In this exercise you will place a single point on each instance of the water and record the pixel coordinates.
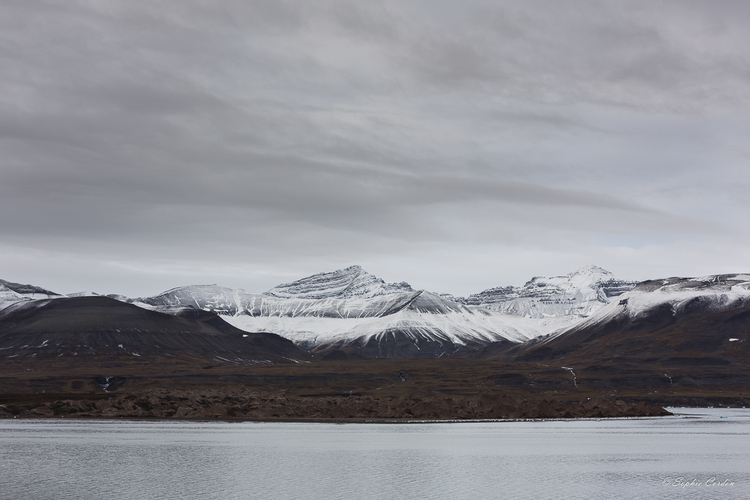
(586, 459)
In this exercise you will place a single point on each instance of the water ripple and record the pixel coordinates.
(623, 459)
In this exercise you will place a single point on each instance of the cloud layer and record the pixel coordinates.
(145, 145)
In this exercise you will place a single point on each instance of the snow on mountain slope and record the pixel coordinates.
(11, 293)
(712, 293)
(347, 293)
(352, 282)
(577, 294)
(715, 293)
(459, 328)
(351, 305)
(419, 314)
(217, 299)
(234, 302)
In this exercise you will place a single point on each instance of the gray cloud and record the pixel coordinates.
(180, 140)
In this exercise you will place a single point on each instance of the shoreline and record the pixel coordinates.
(324, 421)
(215, 405)
(673, 415)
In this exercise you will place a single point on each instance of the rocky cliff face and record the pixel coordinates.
(576, 294)
(350, 283)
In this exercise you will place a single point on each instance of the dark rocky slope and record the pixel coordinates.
(693, 333)
(100, 327)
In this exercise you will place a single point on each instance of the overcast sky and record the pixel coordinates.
(454, 145)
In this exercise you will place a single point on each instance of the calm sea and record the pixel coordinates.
(698, 454)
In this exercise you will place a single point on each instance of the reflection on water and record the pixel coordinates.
(628, 459)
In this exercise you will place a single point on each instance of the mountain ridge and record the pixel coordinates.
(579, 293)
(353, 311)
(676, 341)
(351, 282)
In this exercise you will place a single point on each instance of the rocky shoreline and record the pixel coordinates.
(247, 405)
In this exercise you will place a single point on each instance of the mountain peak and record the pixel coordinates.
(576, 294)
(587, 276)
(591, 270)
(351, 282)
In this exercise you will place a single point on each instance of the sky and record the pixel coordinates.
(457, 146)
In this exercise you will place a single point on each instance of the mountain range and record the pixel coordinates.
(351, 313)
(342, 333)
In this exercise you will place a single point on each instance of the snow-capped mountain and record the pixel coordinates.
(353, 309)
(358, 313)
(673, 320)
(715, 293)
(576, 294)
(350, 283)
(414, 324)
(12, 293)
(349, 292)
